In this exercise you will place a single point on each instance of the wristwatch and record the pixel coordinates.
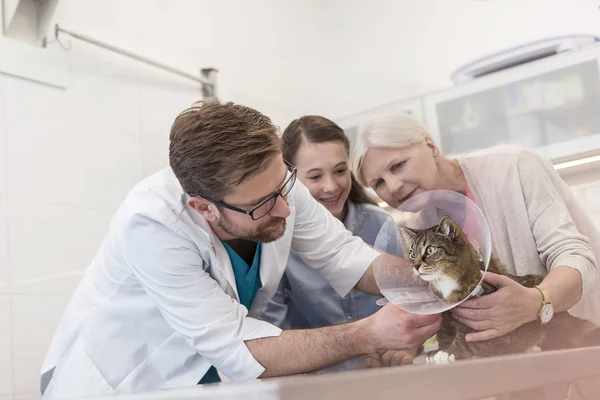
(546, 311)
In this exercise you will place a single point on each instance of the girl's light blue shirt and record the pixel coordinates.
(305, 299)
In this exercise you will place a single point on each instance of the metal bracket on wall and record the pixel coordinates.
(209, 91)
(207, 78)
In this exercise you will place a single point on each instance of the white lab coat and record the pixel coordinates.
(159, 305)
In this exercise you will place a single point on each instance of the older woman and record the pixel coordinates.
(537, 226)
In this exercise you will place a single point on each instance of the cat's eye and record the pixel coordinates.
(411, 251)
(430, 250)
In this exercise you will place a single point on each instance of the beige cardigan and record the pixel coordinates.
(535, 222)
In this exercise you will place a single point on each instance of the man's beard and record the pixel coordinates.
(265, 233)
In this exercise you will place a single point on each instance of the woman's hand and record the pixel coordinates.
(501, 312)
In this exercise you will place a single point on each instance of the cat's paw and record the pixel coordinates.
(439, 357)
(533, 349)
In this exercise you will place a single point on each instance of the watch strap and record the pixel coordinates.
(545, 295)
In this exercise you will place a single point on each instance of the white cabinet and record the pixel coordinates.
(350, 123)
(551, 105)
(24, 51)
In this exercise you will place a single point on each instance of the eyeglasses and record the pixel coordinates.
(267, 205)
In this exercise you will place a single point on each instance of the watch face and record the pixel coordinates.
(546, 314)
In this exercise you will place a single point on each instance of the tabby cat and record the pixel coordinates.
(442, 256)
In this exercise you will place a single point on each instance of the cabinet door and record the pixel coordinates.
(551, 105)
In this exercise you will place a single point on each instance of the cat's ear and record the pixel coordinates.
(448, 228)
(408, 233)
(408, 237)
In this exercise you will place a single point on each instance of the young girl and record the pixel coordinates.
(319, 149)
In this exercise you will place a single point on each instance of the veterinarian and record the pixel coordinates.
(195, 253)
(536, 225)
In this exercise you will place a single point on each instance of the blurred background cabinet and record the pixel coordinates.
(550, 105)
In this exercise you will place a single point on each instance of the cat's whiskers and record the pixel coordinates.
(414, 278)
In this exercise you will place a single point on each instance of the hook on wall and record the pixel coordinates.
(208, 78)
(56, 34)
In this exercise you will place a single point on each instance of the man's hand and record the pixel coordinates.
(395, 329)
(308, 350)
(400, 333)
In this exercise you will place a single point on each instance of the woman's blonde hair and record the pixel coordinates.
(388, 130)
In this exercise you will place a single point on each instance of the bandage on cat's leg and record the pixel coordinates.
(534, 349)
(439, 357)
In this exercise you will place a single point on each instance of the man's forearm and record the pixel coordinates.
(302, 351)
(367, 283)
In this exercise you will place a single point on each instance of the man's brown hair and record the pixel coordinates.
(215, 146)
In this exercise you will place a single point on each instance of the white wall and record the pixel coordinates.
(68, 157)
(392, 50)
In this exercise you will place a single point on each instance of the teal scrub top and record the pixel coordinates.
(247, 281)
